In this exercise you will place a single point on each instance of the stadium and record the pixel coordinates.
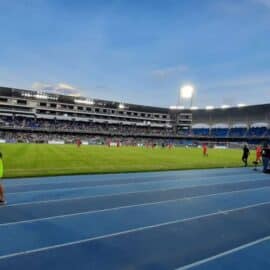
(134, 135)
(45, 134)
(29, 116)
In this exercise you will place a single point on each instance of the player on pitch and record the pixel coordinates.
(258, 153)
(79, 143)
(245, 155)
(205, 150)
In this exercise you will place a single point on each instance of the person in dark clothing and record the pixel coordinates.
(265, 157)
(245, 155)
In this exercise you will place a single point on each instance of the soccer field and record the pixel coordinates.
(21, 160)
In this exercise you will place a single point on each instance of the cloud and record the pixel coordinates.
(230, 7)
(164, 73)
(59, 88)
(251, 80)
(265, 3)
(252, 88)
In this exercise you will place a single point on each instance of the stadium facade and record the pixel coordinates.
(27, 115)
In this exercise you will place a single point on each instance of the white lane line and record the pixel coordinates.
(136, 205)
(71, 179)
(131, 192)
(129, 231)
(223, 254)
(186, 183)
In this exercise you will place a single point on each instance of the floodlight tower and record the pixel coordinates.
(187, 93)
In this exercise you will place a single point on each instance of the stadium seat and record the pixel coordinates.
(237, 132)
(200, 131)
(219, 132)
(256, 131)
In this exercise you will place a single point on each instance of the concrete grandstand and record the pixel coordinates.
(30, 116)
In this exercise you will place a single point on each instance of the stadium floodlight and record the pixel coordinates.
(121, 106)
(194, 108)
(84, 101)
(187, 91)
(177, 107)
(209, 108)
(241, 105)
(225, 106)
(41, 96)
(27, 95)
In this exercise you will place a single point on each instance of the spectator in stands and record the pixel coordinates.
(245, 155)
(2, 198)
(265, 157)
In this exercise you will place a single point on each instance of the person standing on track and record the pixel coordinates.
(2, 198)
(245, 155)
(265, 157)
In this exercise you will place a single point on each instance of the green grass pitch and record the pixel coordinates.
(23, 160)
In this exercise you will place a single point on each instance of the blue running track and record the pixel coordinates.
(202, 219)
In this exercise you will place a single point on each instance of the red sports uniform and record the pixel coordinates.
(204, 147)
(258, 154)
(79, 142)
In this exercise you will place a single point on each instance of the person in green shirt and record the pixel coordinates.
(2, 198)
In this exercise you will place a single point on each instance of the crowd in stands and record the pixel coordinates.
(232, 132)
(77, 126)
(35, 124)
(41, 137)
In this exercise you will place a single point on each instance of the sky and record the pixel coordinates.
(139, 51)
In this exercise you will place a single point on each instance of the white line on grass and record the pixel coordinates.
(128, 231)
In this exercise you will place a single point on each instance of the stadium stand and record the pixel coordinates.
(236, 132)
(219, 132)
(200, 132)
(257, 130)
(30, 116)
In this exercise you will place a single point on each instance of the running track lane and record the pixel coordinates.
(160, 247)
(71, 193)
(60, 230)
(78, 182)
(30, 211)
(252, 256)
(124, 176)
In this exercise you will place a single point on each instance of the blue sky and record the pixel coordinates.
(139, 51)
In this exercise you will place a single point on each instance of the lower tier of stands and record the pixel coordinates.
(8, 123)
